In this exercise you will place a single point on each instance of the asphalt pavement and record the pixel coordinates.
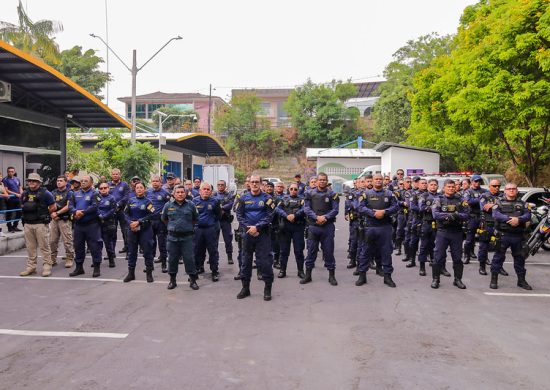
(84, 333)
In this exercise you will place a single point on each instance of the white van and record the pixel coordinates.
(370, 170)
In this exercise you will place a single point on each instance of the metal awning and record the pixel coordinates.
(37, 86)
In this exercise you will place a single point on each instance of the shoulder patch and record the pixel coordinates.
(465, 203)
(269, 201)
(335, 197)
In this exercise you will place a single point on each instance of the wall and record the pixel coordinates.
(340, 170)
(395, 158)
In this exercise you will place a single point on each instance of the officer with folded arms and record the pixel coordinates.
(106, 212)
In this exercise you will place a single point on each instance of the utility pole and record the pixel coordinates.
(209, 106)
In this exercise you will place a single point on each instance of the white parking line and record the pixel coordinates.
(517, 295)
(75, 279)
(14, 332)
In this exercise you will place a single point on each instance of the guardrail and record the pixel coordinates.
(3, 216)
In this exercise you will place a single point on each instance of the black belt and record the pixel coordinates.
(79, 223)
(180, 234)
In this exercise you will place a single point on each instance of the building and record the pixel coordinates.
(413, 160)
(147, 104)
(273, 101)
(37, 104)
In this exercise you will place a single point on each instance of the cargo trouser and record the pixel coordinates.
(61, 229)
(37, 236)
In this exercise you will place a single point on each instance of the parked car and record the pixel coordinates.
(534, 195)
(370, 170)
(272, 179)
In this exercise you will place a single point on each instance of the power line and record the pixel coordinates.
(293, 86)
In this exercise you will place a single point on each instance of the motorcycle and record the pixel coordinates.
(540, 236)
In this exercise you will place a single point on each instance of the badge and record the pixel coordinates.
(444, 208)
(386, 199)
(159, 197)
(261, 203)
(87, 197)
(142, 207)
(107, 203)
(327, 200)
(121, 189)
(209, 207)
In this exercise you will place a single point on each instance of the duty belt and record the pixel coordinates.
(180, 234)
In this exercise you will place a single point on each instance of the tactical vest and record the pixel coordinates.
(33, 210)
(450, 206)
(474, 194)
(61, 198)
(320, 202)
(428, 202)
(378, 201)
(511, 208)
(487, 216)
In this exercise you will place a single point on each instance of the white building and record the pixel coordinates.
(413, 160)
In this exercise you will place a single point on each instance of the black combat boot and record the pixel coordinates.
(494, 280)
(482, 269)
(259, 274)
(356, 272)
(158, 260)
(379, 270)
(215, 276)
(436, 268)
(522, 283)
(131, 275)
(362, 279)
(406, 248)
(331, 278)
(458, 271)
(398, 244)
(388, 281)
(163, 266)
(237, 277)
(172, 285)
(149, 275)
(412, 262)
(443, 271)
(307, 278)
(422, 271)
(473, 254)
(230, 259)
(193, 282)
(97, 270)
(267, 291)
(123, 250)
(282, 272)
(301, 274)
(112, 261)
(276, 263)
(78, 270)
(466, 258)
(245, 291)
(352, 263)
(503, 272)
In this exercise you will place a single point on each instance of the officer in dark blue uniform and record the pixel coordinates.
(511, 216)
(427, 223)
(226, 200)
(196, 190)
(180, 216)
(170, 183)
(321, 209)
(274, 227)
(120, 191)
(106, 209)
(472, 196)
(301, 186)
(416, 221)
(290, 210)
(352, 215)
(400, 195)
(158, 197)
(254, 212)
(486, 232)
(138, 213)
(449, 212)
(83, 206)
(377, 206)
(207, 231)
(278, 195)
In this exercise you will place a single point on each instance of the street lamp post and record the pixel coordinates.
(134, 71)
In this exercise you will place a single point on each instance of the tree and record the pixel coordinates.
(83, 69)
(182, 120)
(31, 37)
(320, 115)
(494, 86)
(392, 112)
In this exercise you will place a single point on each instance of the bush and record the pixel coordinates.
(263, 164)
(240, 175)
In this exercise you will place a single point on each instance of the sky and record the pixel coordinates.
(241, 43)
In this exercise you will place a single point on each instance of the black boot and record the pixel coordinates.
(472, 254)
(406, 248)
(215, 276)
(301, 274)
(112, 261)
(422, 271)
(482, 270)
(362, 279)
(494, 280)
(259, 274)
(379, 270)
(230, 259)
(388, 281)
(149, 275)
(172, 285)
(123, 250)
(356, 272)
(78, 270)
(245, 291)
(97, 271)
(307, 278)
(458, 271)
(331, 278)
(443, 271)
(398, 244)
(522, 283)
(193, 282)
(200, 270)
(131, 275)
(158, 260)
(276, 263)
(282, 272)
(352, 263)
(503, 272)
(413, 261)
(436, 268)
(237, 277)
(466, 258)
(163, 267)
(267, 291)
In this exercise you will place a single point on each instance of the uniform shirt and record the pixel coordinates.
(301, 188)
(196, 191)
(226, 199)
(502, 217)
(179, 217)
(106, 207)
(425, 203)
(167, 188)
(366, 206)
(138, 209)
(209, 211)
(12, 184)
(284, 204)
(62, 199)
(472, 197)
(158, 198)
(255, 210)
(120, 192)
(351, 203)
(488, 198)
(331, 200)
(450, 219)
(86, 201)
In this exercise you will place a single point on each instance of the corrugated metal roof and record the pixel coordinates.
(386, 145)
(313, 153)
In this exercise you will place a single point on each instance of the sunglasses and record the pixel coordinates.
(400, 174)
(103, 188)
(293, 189)
(494, 186)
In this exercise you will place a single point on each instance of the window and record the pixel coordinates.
(173, 167)
(16, 133)
(265, 109)
(140, 111)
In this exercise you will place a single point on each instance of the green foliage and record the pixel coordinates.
(175, 123)
(320, 115)
(240, 175)
(392, 112)
(83, 69)
(263, 164)
(493, 90)
(35, 38)
(139, 159)
(76, 158)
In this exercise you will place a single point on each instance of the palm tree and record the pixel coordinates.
(33, 37)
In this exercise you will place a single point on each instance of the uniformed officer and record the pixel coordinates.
(106, 210)
(401, 195)
(312, 184)
(158, 197)
(86, 229)
(61, 226)
(254, 211)
(472, 196)
(486, 231)
(138, 213)
(411, 241)
(226, 200)
(196, 187)
(37, 203)
(170, 183)
(321, 209)
(290, 210)
(120, 191)
(301, 186)
(180, 215)
(352, 216)
(274, 228)
(449, 212)
(511, 216)
(207, 231)
(416, 221)
(427, 222)
(377, 205)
